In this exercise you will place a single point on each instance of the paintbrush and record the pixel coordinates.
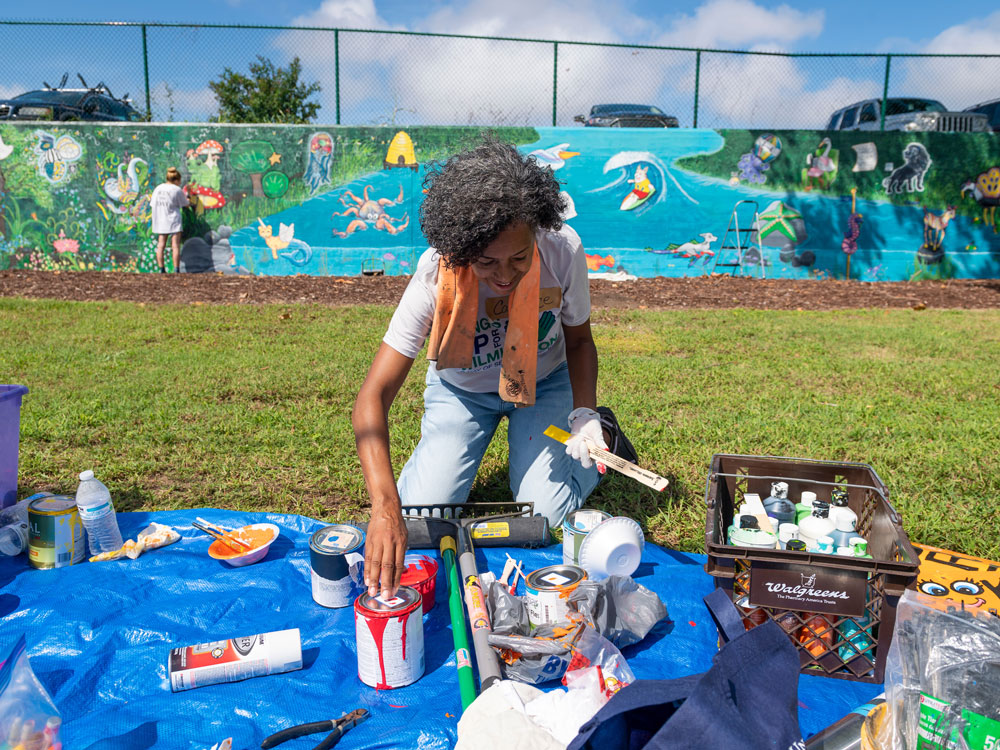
(224, 531)
(612, 461)
(230, 543)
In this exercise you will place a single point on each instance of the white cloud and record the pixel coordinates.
(958, 82)
(344, 14)
(731, 24)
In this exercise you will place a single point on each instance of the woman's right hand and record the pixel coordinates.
(385, 548)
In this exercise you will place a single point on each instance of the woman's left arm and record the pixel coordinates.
(581, 360)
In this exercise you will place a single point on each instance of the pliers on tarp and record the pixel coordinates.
(339, 726)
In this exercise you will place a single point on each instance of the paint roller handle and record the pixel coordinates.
(460, 637)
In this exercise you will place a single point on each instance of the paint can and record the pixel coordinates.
(575, 528)
(234, 659)
(420, 573)
(55, 533)
(390, 638)
(335, 564)
(547, 591)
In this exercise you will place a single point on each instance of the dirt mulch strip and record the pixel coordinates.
(711, 292)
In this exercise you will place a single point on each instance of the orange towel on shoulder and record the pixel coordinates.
(454, 328)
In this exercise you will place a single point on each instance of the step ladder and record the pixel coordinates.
(745, 239)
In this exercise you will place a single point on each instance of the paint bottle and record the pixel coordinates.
(786, 533)
(860, 546)
(824, 545)
(778, 505)
(844, 525)
(816, 635)
(856, 634)
(818, 524)
(754, 615)
(749, 534)
(804, 507)
(795, 545)
(841, 515)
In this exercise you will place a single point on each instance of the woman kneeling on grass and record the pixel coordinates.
(503, 294)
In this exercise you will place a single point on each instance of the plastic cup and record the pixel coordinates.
(614, 548)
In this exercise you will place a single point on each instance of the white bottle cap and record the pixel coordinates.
(808, 497)
(827, 540)
(844, 521)
(85, 475)
(787, 532)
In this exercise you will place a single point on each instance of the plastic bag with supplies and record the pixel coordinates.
(28, 717)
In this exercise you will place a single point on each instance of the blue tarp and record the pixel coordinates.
(99, 635)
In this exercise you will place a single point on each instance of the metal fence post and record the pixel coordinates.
(885, 90)
(145, 71)
(336, 68)
(555, 78)
(697, 82)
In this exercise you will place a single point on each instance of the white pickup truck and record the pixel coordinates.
(910, 113)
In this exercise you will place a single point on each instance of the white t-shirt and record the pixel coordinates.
(564, 299)
(167, 201)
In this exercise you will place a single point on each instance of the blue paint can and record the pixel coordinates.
(336, 564)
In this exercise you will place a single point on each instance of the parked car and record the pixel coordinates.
(59, 103)
(992, 111)
(906, 113)
(627, 116)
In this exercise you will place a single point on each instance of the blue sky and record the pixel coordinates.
(406, 80)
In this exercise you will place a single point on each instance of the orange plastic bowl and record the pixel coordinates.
(259, 535)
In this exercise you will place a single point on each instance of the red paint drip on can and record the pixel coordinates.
(420, 573)
(384, 628)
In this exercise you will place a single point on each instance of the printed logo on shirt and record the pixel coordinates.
(491, 331)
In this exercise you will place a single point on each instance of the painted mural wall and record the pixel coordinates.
(284, 200)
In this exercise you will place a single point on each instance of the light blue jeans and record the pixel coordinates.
(456, 430)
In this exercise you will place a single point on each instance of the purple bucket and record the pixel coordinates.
(10, 432)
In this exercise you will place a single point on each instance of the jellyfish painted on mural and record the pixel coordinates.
(317, 172)
(758, 160)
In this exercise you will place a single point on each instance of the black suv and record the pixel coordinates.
(627, 116)
(991, 109)
(58, 103)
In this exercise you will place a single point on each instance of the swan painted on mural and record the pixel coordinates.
(5, 150)
(124, 188)
(554, 157)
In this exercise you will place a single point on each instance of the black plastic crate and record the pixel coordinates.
(814, 597)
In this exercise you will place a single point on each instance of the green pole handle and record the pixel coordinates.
(463, 658)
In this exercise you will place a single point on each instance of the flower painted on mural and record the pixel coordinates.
(65, 245)
(752, 168)
(778, 218)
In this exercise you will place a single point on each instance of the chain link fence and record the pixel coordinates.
(408, 78)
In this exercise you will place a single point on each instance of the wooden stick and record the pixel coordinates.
(224, 531)
(227, 542)
(617, 463)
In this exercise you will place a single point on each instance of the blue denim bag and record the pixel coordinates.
(747, 699)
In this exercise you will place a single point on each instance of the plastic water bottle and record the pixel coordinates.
(14, 528)
(93, 501)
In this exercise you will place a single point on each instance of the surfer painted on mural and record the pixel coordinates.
(502, 300)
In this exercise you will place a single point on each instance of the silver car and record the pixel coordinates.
(908, 113)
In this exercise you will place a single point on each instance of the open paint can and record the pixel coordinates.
(335, 560)
(547, 592)
(55, 533)
(390, 637)
(575, 528)
(420, 573)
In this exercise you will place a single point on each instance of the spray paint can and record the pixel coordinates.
(234, 659)
(55, 533)
(547, 592)
(390, 639)
(420, 573)
(575, 528)
(335, 564)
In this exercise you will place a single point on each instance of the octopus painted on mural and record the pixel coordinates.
(368, 211)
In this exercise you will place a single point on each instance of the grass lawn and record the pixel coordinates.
(248, 407)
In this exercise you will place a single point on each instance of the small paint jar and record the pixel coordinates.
(420, 573)
(547, 592)
(335, 562)
(390, 638)
(575, 528)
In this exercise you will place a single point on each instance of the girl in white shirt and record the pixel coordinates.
(167, 201)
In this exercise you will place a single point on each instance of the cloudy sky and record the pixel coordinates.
(415, 80)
